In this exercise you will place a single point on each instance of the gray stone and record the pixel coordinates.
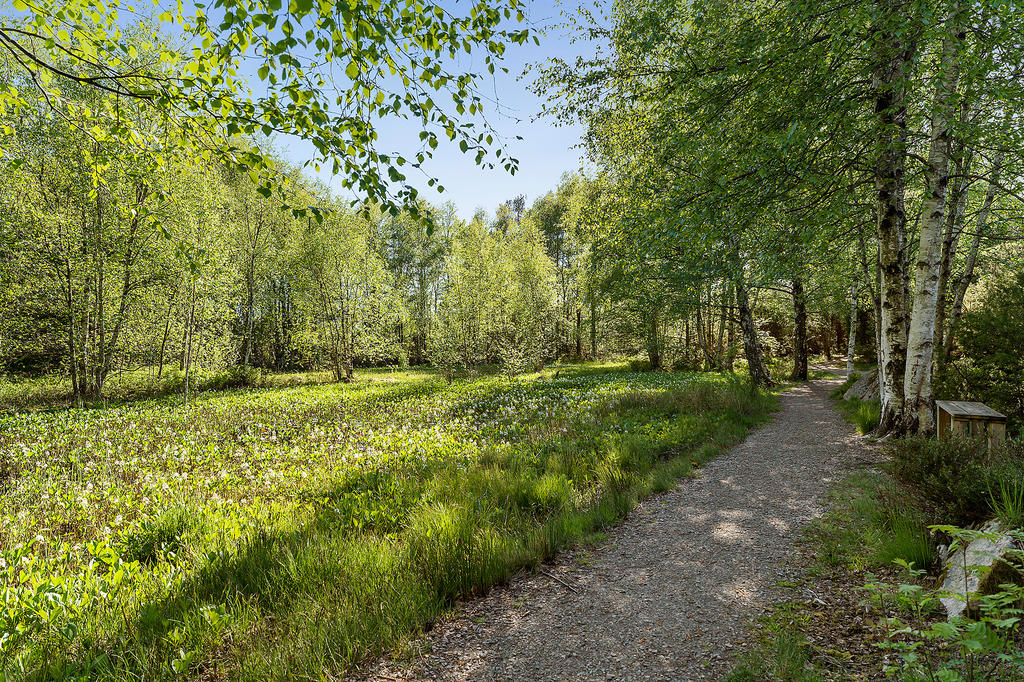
(985, 563)
(865, 387)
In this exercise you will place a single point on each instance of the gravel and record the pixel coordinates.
(671, 592)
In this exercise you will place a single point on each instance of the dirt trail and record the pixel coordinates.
(670, 594)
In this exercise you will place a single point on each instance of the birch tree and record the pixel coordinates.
(917, 390)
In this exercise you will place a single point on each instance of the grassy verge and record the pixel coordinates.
(864, 414)
(131, 386)
(865, 605)
(291, 532)
(869, 525)
(865, 528)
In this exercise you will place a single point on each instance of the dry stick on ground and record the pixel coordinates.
(560, 581)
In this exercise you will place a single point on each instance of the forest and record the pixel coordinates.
(726, 217)
(211, 357)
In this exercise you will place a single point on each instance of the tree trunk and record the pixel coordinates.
(167, 331)
(917, 387)
(190, 335)
(653, 339)
(250, 313)
(593, 325)
(950, 244)
(579, 333)
(720, 352)
(851, 344)
(800, 331)
(876, 301)
(730, 354)
(889, 88)
(701, 337)
(751, 344)
(967, 276)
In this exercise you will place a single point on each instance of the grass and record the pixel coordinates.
(864, 414)
(121, 388)
(869, 525)
(782, 653)
(903, 536)
(1006, 496)
(290, 532)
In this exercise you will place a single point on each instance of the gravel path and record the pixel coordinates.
(670, 594)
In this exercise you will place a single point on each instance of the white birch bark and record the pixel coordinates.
(889, 85)
(917, 383)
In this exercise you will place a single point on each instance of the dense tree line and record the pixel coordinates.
(869, 147)
(771, 180)
(187, 265)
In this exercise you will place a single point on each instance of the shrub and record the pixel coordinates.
(958, 477)
(235, 377)
(992, 366)
(949, 474)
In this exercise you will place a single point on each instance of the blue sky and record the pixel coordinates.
(545, 152)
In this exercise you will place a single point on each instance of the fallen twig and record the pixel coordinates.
(560, 581)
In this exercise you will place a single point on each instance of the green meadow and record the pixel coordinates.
(294, 531)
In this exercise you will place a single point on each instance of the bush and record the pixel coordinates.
(949, 474)
(992, 367)
(957, 477)
(235, 377)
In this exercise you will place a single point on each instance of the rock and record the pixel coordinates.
(987, 570)
(865, 387)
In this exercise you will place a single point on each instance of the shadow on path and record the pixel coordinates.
(670, 594)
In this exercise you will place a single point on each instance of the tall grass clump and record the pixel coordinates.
(902, 535)
(869, 524)
(1006, 496)
(864, 414)
(783, 657)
